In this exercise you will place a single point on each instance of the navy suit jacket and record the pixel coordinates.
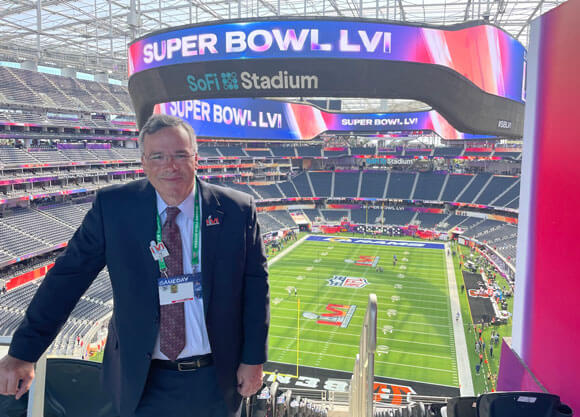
(116, 232)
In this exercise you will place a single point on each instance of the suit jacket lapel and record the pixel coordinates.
(211, 225)
(145, 218)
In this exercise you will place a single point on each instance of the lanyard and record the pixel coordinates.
(195, 243)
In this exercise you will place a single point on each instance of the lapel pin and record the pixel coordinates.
(212, 222)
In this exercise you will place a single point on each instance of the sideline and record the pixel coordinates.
(463, 367)
(286, 251)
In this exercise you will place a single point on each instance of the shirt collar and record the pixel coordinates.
(187, 206)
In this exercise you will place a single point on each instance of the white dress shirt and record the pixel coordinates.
(196, 338)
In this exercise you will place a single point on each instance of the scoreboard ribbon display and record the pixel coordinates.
(474, 75)
(278, 120)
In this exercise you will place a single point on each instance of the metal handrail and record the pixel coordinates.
(361, 402)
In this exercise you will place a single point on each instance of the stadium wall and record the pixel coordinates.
(546, 314)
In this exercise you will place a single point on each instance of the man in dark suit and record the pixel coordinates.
(195, 357)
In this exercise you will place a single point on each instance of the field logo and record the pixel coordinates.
(392, 394)
(481, 293)
(367, 261)
(348, 282)
(339, 239)
(340, 315)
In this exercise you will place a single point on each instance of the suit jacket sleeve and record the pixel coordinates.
(256, 295)
(71, 275)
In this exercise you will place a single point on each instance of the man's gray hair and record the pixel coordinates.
(158, 121)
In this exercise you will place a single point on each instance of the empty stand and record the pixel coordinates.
(288, 189)
(283, 151)
(335, 216)
(397, 217)
(364, 216)
(267, 191)
(400, 185)
(309, 151)
(429, 220)
(455, 185)
(321, 182)
(302, 185)
(373, 184)
(473, 189)
(428, 186)
(447, 152)
(346, 184)
(496, 186)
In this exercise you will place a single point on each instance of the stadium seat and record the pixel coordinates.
(517, 404)
(462, 407)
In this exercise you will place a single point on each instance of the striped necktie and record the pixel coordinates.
(172, 326)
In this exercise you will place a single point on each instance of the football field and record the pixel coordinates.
(333, 277)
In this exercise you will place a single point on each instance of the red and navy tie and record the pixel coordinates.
(172, 326)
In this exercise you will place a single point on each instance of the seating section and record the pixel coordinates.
(455, 185)
(498, 185)
(232, 151)
(447, 152)
(95, 304)
(419, 153)
(313, 214)
(362, 150)
(364, 216)
(283, 151)
(397, 217)
(321, 182)
(302, 185)
(430, 220)
(428, 186)
(346, 184)
(267, 191)
(336, 153)
(309, 151)
(474, 188)
(335, 215)
(13, 156)
(288, 189)
(20, 86)
(244, 188)
(208, 152)
(400, 185)
(373, 184)
(259, 153)
(34, 223)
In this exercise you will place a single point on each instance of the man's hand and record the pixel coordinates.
(249, 379)
(15, 376)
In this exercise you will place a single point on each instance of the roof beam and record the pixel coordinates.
(335, 7)
(530, 18)
(466, 18)
(402, 10)
(269, 7)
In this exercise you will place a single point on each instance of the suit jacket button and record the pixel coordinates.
(149, 356)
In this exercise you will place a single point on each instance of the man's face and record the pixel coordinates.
(169, 162)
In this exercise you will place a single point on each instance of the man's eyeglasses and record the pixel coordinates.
(161, 158)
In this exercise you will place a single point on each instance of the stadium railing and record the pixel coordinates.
(362, 383)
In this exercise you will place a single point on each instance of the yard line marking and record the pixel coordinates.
(328, 343)
(385, 362)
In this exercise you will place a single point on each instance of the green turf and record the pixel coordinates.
(421, 344)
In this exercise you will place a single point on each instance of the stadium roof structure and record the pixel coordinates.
(92, 35)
